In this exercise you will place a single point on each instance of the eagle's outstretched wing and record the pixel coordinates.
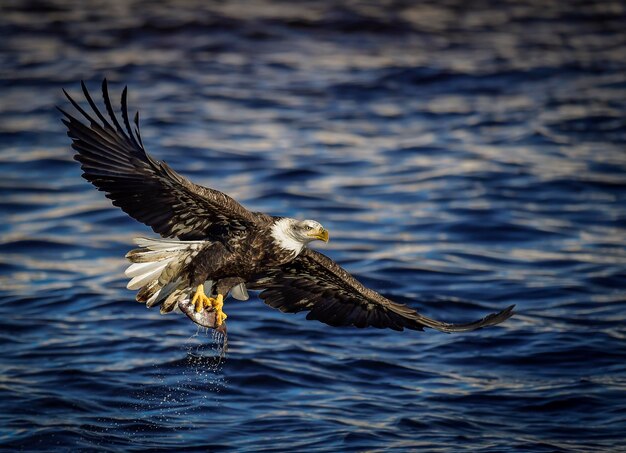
(114, 160)
(313, 282)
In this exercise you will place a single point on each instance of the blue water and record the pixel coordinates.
(463, 159)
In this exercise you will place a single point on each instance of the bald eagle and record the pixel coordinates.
(212, 246)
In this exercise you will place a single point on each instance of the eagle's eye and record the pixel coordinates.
(308, 227)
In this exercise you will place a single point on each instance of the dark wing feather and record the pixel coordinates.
(315, 283)
(114, 160)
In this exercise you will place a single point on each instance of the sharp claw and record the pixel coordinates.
(217, 304)
(201, 301)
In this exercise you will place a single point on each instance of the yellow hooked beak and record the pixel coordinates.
(320, 234)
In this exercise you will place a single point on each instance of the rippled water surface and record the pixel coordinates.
(463, 158)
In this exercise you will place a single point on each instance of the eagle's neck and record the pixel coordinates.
(284, 237)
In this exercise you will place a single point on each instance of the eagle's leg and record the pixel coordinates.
(200, 300)
(218, 304)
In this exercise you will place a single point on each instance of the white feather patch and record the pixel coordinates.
(137, 269)
(143, 279)
(282, 233)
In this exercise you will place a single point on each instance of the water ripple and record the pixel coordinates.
(463, 158)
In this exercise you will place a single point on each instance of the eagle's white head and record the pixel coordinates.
(292, 234)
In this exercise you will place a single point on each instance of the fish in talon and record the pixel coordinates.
(204, 318)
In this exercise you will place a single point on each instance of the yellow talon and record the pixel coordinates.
(217, 305)
(201, 301)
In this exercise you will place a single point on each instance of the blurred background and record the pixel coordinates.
(464, 155)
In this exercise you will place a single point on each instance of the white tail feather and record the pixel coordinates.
(137, 269)
(156, 270)
(143, 279)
